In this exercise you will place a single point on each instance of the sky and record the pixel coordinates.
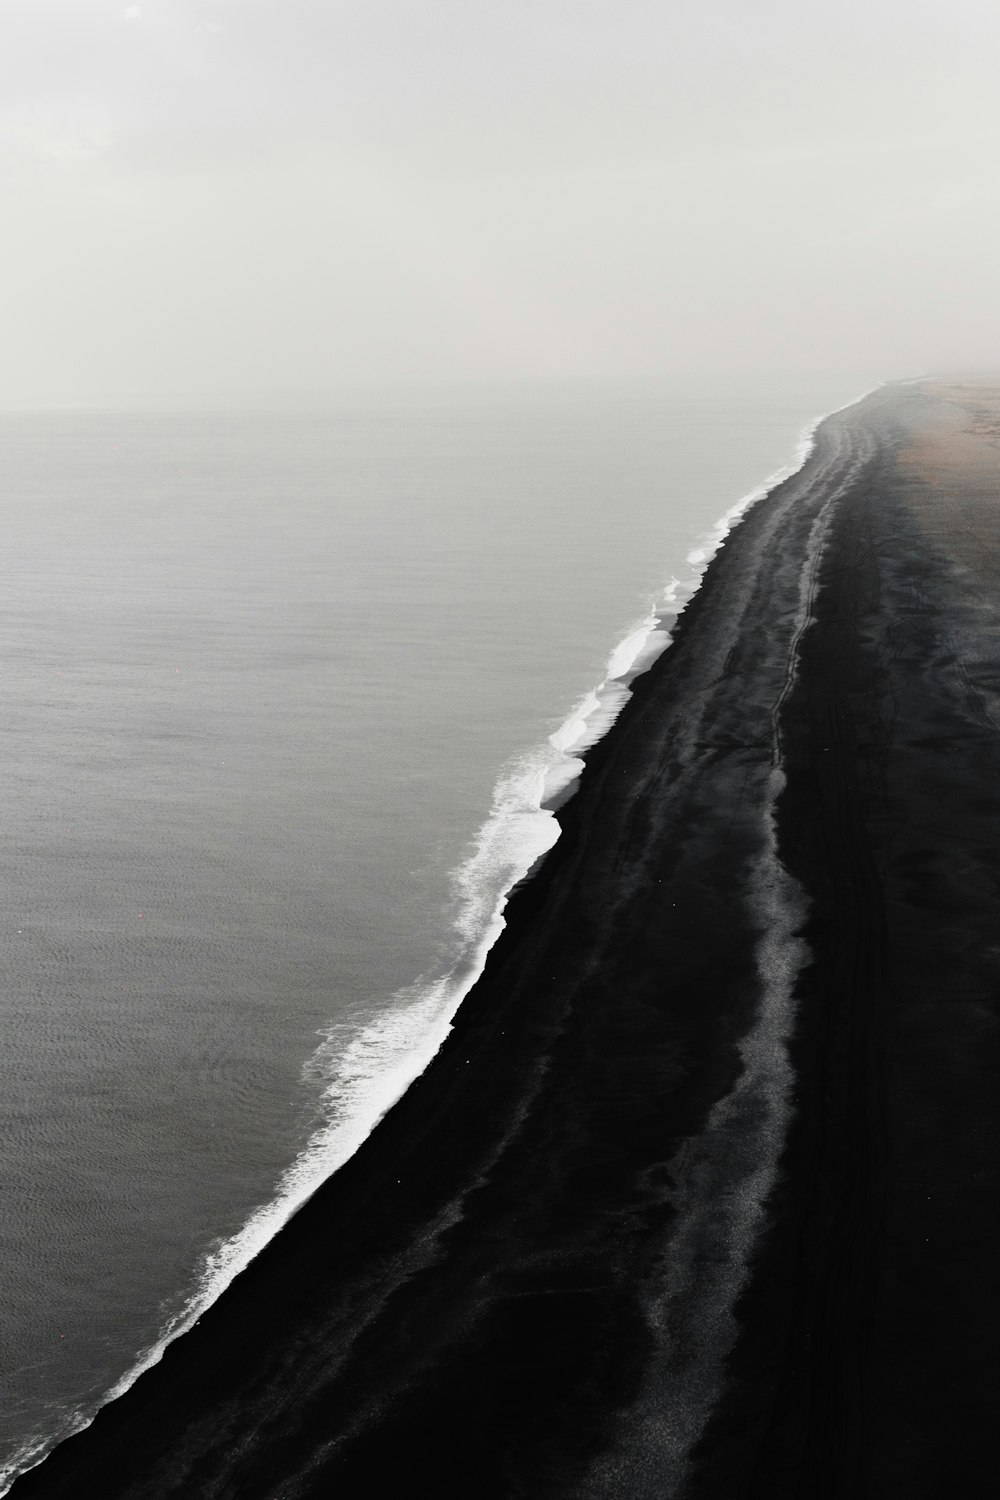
(206, 196)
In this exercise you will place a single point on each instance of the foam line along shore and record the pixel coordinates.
(656, 860)
(363, 1074)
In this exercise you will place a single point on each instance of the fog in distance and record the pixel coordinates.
(213, 197)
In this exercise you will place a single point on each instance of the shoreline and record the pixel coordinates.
(609, 1243)
(572, 743)
(510, 1033)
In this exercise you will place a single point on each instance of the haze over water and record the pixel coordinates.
(209, 195)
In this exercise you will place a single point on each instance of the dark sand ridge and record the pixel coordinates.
(523, 1284)
(868, 1365)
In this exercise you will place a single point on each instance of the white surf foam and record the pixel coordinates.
(364, 1073)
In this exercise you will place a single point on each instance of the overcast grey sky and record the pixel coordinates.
(215, 194)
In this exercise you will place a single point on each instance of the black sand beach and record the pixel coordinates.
(686, 1206)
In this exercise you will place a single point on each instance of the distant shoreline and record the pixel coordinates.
(532, 1278)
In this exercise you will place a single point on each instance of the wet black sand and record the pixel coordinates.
(524, 1283)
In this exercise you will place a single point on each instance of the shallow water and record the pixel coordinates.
(265, 675)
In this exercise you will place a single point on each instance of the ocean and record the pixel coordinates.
(289, 695)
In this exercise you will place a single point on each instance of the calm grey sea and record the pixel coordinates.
(277, 690)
